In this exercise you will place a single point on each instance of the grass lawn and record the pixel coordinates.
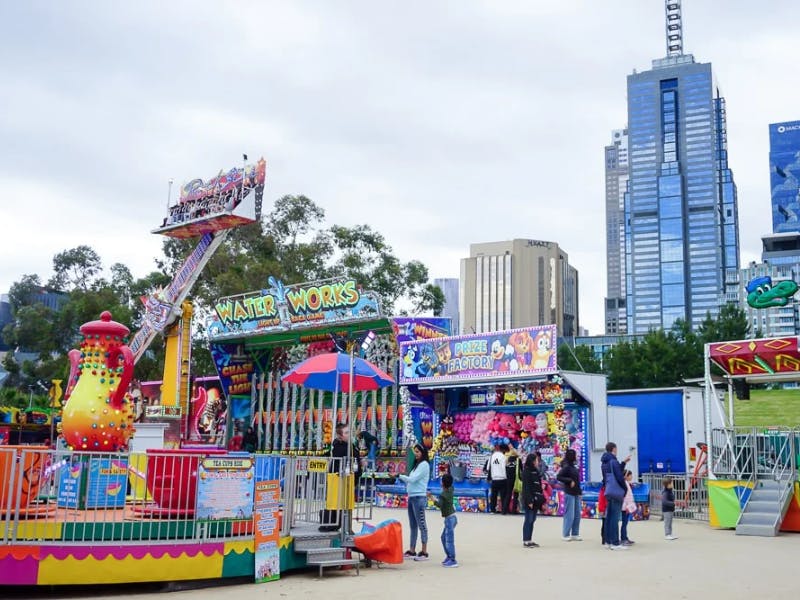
(769, 407)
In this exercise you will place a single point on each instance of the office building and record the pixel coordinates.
(449, 287)
(518, 283)
(681, 223)
(616, 167)
(784, 168)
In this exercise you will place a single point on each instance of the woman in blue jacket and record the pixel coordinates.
(417, 489)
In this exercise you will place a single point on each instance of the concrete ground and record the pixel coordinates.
(702, 563)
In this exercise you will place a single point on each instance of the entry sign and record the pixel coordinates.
(266, 511)
(317, 466)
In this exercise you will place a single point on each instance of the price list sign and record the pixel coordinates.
(266, 511)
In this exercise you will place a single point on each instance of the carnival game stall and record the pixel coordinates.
(467, 394)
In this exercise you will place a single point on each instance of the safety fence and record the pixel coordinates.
(691, 494)
(48, 496)
(750, 454)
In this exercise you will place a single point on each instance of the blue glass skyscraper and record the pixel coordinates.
(681, 223)
(784, 166)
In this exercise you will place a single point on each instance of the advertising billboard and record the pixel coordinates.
(529, 351)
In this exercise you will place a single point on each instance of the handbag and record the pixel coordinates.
(517, 481)
(613, 488)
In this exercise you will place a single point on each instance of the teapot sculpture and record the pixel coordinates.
(97, 415)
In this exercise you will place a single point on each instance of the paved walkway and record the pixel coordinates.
(702, 563)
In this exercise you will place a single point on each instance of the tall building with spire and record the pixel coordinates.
(680, 229)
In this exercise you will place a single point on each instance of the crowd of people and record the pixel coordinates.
(515, 481)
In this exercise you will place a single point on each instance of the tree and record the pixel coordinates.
(730, 324)
(22, 292)
(579, 358)
(75, 269)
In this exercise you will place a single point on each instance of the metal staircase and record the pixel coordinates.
(320, 551)
(766, 507)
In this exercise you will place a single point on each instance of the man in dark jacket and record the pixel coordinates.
(614, 481)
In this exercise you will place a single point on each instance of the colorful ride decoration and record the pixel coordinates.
(98, 416)
(761, 293)
(757, 357)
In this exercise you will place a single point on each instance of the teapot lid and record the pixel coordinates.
(105, 326)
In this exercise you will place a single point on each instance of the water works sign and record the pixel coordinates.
(298, 306)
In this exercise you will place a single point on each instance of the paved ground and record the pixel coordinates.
(702, 563)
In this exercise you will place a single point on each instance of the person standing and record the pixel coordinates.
(417, 489)
(614, 482)
(569, 477)
(668, 508)
(532, 498)
(628, 510)
(332, 519)
(512, 471)
(445, 504)
(497, 472)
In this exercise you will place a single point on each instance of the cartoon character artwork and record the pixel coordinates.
(443, 355)
(542, 350)
(761, 293)
(498, 352)
(522, 342)
(410, 363)
(542, 428)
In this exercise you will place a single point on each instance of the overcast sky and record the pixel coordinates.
(437, 123)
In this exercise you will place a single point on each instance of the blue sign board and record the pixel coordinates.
(107, 483)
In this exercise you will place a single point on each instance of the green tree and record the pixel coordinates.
(75, 269)
(22, 292)
(579, 358)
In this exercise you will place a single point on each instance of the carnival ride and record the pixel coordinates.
(753, 472)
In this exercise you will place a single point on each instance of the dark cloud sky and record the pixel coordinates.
(438, 123)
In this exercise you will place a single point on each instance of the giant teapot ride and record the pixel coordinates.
(98, 417)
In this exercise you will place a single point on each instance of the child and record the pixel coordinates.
(445, 504)
(601, 512)
(628, 509)
(668, 508)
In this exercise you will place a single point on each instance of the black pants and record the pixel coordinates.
(499, 487)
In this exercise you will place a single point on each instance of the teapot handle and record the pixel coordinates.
(74, 360)
(127, 371)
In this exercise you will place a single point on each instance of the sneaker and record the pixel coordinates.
(421, 556)
(577, 538)
(450, 564)
(627, 543)
(618, 547)
(409, 554)
(566, 539)
(606, 545)
(670, 537)
(530, 544)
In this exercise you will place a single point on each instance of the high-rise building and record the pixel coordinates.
(616, 186)
(449, 287)
(784, 167)
(681, 221)
(518, 283)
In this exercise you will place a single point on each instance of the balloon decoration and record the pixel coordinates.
(98, 416)
(761, 293)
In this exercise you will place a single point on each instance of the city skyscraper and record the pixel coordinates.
(616, 186)
(449, 287)
(518, 283)
(784, 168)
(680, 216)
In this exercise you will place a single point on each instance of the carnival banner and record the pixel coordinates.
(266, 517)
(525, 351)
(408, 329)
(757, 357)
(297, 306)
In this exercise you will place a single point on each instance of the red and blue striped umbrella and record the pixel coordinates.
(331, 373)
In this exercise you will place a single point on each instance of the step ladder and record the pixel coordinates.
(320, 551)
(766, 507)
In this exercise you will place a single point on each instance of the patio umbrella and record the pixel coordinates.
(331, 373)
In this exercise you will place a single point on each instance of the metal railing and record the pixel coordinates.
(749, 454)
(691, 494)
(162, 496)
